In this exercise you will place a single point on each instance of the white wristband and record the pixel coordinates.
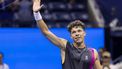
(37, 16)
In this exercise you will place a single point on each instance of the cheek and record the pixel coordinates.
(83, 34)
(72, 36)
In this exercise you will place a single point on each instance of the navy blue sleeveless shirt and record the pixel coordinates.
(78, 58)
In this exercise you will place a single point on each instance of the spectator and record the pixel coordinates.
(106, 61)
(100, 51)
(25, 13)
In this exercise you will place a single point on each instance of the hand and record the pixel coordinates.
(36, 5)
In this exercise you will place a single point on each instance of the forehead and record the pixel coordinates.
(76, 28)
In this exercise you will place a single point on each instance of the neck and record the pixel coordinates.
(79, 45)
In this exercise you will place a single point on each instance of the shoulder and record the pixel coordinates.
(64, 43)
(93, 50)
(63, 40)
(95, 53)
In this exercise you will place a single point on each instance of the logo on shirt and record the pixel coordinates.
(86, 57)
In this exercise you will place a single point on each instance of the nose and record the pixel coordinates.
(77, 34)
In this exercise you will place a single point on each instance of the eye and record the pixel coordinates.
(79, 30)
(73, 32)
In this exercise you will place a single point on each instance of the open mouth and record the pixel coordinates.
(77, 38)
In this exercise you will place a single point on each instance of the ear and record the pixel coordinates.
(84, 33)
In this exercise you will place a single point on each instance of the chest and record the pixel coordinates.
(81, 56)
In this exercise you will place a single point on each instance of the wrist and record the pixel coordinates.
(37, 15)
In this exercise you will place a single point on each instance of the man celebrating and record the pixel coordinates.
(74, 55)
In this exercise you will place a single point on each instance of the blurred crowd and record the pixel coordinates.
(58, 13)
(17, 10)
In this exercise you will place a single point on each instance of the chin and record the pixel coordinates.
(79, 42)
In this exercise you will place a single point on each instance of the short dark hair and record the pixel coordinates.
(75, 23)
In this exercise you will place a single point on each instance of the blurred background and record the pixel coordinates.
(24, 46)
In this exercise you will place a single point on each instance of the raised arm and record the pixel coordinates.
(43, 27)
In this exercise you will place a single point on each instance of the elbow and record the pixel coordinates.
(45, 32)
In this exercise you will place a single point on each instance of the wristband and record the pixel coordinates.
(37, 16)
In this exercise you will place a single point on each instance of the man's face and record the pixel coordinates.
(77, 34)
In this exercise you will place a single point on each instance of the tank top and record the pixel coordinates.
(78, 58)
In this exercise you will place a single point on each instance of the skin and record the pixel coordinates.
(1, 57)
(106, 61)
(77, 34)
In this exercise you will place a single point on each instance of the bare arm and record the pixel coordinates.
(97, 64)
(43, 27)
